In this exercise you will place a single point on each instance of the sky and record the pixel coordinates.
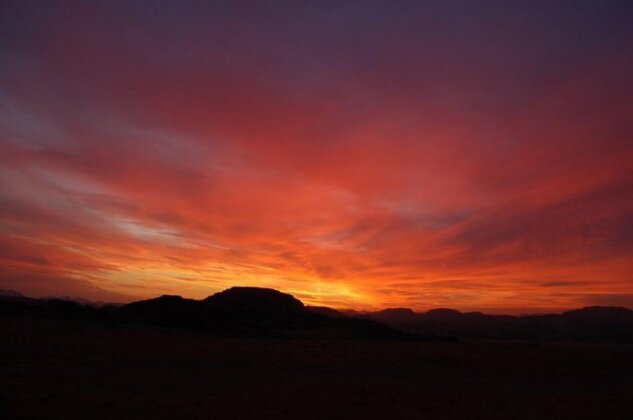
(476, 155)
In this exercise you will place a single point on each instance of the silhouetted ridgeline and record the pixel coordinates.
(10, 293)
(254, 311)
(595, 323)
(243, 311)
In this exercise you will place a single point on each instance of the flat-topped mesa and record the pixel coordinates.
(443, 313)
(256, 300)
(395, 315)
(600, 314)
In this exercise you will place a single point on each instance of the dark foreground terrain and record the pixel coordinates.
(57, 369)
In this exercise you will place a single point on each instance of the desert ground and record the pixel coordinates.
(55, 370)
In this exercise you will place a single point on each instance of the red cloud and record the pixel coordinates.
(376, 175)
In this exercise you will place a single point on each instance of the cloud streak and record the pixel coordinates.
(399, 155)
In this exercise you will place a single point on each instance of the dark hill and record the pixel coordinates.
(324, 310)
(166, 311)
(11, 293)
(164, 303)
(249, 311)
(592, 314)
(444, 314)
(395, 315)
(50, 308)
(591, 324)
(254, 311)
(256, 301)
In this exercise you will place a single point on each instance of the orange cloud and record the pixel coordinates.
(385, 172)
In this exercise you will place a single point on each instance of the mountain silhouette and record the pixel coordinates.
(81, 301)
(257, 302)
(166, 311)
(250, 311)
(601, 314)
(591, 323)
(46, 308)
(395, 315)
(11, 293)
(329, 312)
(253, 311)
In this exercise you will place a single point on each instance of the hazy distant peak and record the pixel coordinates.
(396, 315)
(324, 310)
(11, 293)
(599, 312)
(397, 311)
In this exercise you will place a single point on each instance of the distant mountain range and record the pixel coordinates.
(264, 312)
(596, 323)
(241, 311)
(10, 293)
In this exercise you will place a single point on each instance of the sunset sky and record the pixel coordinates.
(358, 154)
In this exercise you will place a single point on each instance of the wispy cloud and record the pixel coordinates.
(388, 160)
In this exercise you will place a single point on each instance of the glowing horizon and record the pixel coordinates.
(390, 155)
